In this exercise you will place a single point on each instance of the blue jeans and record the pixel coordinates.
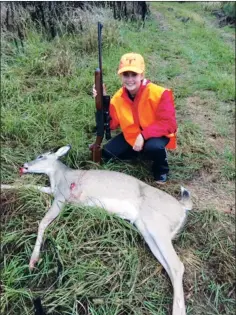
(153, 150)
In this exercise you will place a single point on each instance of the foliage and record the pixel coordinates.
(63, 17)
(229, 9)
(225, 11)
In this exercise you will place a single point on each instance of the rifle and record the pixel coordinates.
(102, 106)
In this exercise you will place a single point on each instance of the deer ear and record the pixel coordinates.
(63, 150)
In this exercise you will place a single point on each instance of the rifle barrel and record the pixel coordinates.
(100, 54)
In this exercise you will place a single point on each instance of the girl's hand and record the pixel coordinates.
(139, 142)
(94, 91)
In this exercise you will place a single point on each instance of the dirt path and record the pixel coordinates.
(210, 189)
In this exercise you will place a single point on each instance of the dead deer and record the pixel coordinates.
(157, 215)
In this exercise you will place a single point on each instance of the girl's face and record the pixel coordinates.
(131, 81)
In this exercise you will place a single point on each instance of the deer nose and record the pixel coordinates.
(23, 169)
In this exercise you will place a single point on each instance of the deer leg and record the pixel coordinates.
(48, 218)
(175, 267)
(46, 190)
(176, 275)
(158, 237)
(152, 245)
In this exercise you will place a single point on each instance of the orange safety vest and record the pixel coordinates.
(139, 113)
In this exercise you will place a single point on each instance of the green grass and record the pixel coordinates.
(91, 260)
(104, 262)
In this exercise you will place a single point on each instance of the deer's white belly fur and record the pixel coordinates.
(125, 209)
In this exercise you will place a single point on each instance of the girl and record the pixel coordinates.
(145, 112)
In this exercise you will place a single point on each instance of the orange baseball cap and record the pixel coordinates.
(131, 62)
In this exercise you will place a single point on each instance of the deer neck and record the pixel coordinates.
(57, 174)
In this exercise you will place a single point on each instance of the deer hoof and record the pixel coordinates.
(32, 263)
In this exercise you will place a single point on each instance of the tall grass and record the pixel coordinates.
(92, 257)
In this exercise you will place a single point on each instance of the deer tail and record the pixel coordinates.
(186, 199)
